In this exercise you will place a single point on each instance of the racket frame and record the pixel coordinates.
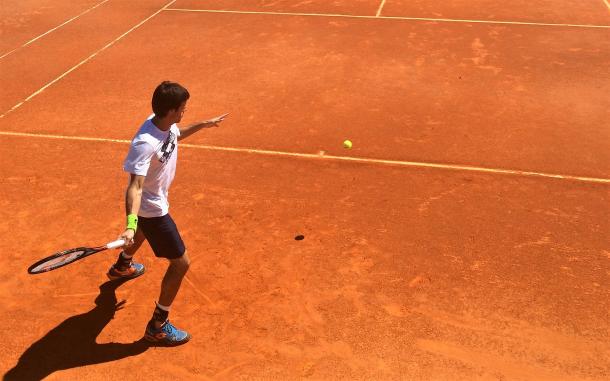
(87, 251)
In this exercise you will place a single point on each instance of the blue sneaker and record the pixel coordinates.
(166, 335)
(133, 271)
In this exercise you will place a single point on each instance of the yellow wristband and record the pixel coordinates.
(132, 222)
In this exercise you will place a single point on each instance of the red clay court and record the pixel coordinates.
(463, 237)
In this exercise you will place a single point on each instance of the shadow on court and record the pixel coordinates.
(72, 343)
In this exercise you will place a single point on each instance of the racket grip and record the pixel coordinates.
(115, 244)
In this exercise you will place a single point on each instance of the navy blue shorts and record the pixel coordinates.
(162, 235)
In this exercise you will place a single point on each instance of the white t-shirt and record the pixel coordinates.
(153, 154)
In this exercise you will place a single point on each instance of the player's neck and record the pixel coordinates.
(162, 123)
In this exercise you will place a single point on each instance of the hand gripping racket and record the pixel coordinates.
(66, 257)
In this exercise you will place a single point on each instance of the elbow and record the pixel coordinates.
(136, 185)
(135, 190)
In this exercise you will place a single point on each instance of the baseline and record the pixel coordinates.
(389, 18)
(320, 156)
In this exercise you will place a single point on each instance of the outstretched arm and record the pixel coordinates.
(187, 131)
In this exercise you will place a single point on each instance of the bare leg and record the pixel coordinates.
(172, 280)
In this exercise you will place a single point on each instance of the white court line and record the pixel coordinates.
(51, 30)
(362, 160)
(380, 8)
(64, 137)
(387, 18)
(197, 290)
(607, 4)
(84, 61)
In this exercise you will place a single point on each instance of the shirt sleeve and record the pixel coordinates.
(138, 159)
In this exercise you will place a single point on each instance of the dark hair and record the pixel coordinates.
(168, 96)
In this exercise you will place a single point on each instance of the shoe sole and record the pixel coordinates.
(164, 343)
(135, 275)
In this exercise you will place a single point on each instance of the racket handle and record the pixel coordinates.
(115, 244)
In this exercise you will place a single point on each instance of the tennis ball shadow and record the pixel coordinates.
(72, 343)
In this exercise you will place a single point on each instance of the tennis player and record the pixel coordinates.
(151, 163)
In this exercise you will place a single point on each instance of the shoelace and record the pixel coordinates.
(168, 327)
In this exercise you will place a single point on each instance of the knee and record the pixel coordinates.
(182, 264)
(186, 263)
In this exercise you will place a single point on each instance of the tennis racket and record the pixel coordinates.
(66, 257)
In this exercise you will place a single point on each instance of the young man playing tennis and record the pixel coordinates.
(151, 163)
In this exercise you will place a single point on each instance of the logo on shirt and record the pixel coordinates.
(168, 147)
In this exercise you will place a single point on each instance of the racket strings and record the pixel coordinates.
(59, 260)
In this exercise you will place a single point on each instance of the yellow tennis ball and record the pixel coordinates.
(347, 144)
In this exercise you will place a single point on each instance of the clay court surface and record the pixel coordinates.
(463, 237)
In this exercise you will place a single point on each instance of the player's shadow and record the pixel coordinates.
(72, 343)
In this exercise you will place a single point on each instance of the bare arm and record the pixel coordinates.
(133, 198)
(133, 195)
(189, 130)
